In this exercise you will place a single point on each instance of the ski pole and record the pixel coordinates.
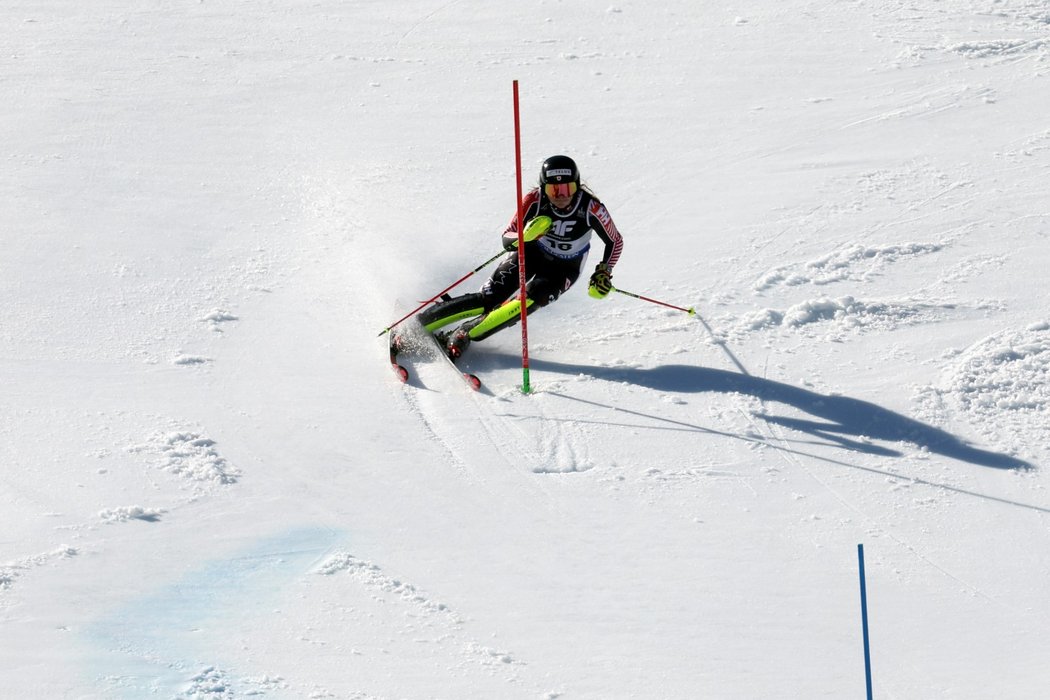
(437, 296)
(691, 311)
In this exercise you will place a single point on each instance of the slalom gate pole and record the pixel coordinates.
(864, 619)
(437, 296)
(691, 311)
(525, 388)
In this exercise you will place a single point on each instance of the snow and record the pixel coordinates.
(212, 487)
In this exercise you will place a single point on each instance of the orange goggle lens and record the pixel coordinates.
(559, 191)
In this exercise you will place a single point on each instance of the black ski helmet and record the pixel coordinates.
(559, 169)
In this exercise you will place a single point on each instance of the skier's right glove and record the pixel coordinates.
(534, 228)
(601, 282)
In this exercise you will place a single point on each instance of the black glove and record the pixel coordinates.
(601, 282)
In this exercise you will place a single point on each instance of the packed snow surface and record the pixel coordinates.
(214, 488)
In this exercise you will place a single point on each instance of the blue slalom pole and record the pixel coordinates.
(864, 619)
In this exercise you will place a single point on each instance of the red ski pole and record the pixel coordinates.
(691, 311)
(437, 296)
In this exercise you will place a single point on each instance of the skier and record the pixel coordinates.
(560, 216)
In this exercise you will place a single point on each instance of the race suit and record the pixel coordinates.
(553, 263)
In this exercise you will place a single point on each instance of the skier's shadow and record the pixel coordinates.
(843, 420)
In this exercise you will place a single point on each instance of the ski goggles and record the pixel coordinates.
(559, 190)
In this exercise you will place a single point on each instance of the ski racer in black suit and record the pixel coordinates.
(555, 251)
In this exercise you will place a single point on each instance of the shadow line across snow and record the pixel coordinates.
(847, 421)
(839, 416)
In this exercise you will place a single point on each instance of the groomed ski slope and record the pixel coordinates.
(214, 488)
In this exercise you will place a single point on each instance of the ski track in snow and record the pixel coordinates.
(878, 526)
(1013, 30)
(426, 620)
(544, 442)
(548, 450)
(642, 429)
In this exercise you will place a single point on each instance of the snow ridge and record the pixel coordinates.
(844, 314)
(11, 571)
(190, 455)
(125, 513)
(1001, 384)
(213, 683)
(373, 578)
(843, 265)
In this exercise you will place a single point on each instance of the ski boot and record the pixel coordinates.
(456, 343)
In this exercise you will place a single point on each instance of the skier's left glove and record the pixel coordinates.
(601, 282)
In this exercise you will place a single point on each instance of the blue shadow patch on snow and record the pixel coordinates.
(172, 642)
(840, 416)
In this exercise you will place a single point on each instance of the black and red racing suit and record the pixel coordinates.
(553, 262)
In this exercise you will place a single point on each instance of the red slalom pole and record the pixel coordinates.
(525, 388)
